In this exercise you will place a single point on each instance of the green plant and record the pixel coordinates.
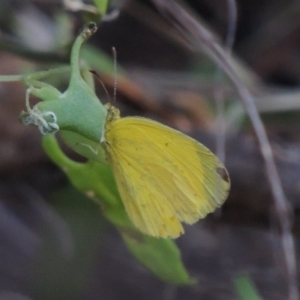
(79, 117)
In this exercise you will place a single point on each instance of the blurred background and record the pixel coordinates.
(54, 243)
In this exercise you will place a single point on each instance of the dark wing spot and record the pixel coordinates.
(223, 173)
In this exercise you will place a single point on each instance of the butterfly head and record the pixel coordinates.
(113, 113)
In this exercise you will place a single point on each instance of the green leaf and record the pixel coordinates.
(161, 256)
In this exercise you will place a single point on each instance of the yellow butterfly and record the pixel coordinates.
(163, 176)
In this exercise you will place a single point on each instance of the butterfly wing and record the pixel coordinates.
(164, 177)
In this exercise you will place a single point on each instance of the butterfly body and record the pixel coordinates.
(164, 177)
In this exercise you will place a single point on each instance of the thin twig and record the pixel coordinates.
(200, 35)
(219, 90)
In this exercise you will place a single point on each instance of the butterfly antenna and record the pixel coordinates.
(101, 82)
(115, 73)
